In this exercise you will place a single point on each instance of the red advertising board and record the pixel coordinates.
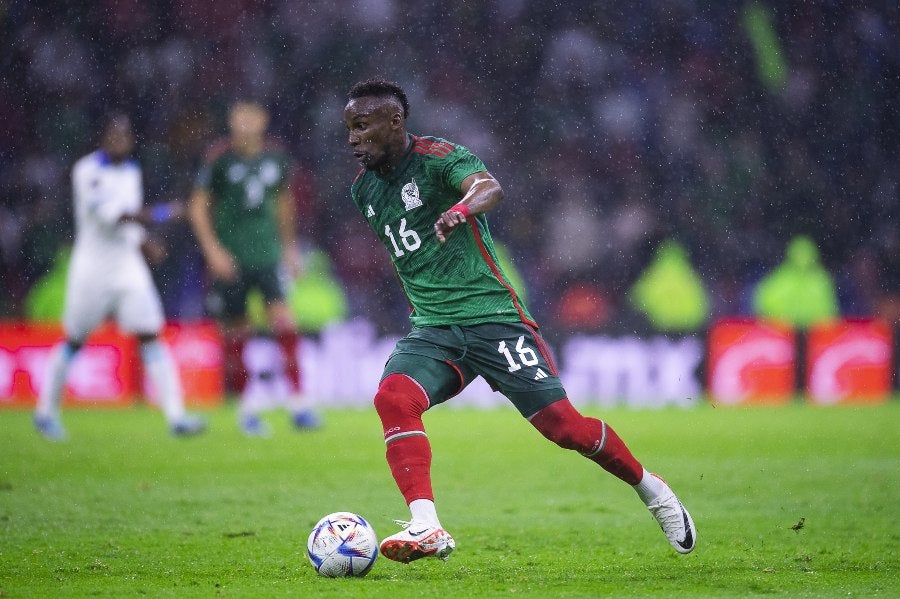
(751, 362)
(106, 372)
(102, 374)
(849, 362)
(197, 349)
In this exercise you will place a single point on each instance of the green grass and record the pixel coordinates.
(121, 509)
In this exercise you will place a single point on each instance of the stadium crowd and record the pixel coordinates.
(729, 127)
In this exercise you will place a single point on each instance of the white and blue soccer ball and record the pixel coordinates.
(342, 544)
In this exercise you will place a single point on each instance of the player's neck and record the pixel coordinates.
(115, 158)
(396, 157)
(248, 148)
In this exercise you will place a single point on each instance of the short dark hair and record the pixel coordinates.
(380, 88)
(115, 118)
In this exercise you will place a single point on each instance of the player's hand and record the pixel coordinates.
(177, 210)
(222, 265)
(447, 222)
(154, 250)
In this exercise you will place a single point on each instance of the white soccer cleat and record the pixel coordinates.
(674, 520)
(417, 541)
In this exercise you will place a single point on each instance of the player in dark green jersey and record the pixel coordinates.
(242, 211)
(426, 198)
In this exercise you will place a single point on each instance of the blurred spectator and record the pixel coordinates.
(799, 291)
(670, 294)
(317, 298)
(730, 126)
(46, 298)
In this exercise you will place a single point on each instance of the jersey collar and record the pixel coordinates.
(104, 160)
(404, 161)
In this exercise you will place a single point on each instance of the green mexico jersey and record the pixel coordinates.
(459, 282)
(244, 194)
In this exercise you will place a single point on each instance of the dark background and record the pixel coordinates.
(612, 126)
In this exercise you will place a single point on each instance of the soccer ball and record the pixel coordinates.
(342, 544)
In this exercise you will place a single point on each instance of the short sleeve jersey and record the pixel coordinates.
(104, 191)
(244, 194)
(459, 282)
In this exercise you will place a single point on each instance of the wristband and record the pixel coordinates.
(461, 208)
(161, 213)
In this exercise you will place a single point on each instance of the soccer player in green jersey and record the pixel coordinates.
(426, 198)
(242, 212)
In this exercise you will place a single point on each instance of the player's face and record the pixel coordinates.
(375, 125)
(118, 140)
(247, 123)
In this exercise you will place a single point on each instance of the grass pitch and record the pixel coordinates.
(788, 502)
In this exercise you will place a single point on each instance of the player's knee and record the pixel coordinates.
(399, 395)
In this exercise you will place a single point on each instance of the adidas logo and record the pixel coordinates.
(540, 374)
(369, 212)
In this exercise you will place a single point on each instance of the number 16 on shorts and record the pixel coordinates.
(525, 354)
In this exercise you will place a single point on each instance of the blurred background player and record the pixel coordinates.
(243, 214)
(109, 276)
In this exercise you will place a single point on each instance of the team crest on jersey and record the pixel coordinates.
(369, 211)
(410, 195)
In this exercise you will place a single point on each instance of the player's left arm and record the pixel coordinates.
(481, 192)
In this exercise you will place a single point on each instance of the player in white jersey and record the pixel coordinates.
(109, 277)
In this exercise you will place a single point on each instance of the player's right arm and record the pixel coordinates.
(219, 261)
(481, 192)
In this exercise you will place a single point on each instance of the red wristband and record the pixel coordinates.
(461, 208)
